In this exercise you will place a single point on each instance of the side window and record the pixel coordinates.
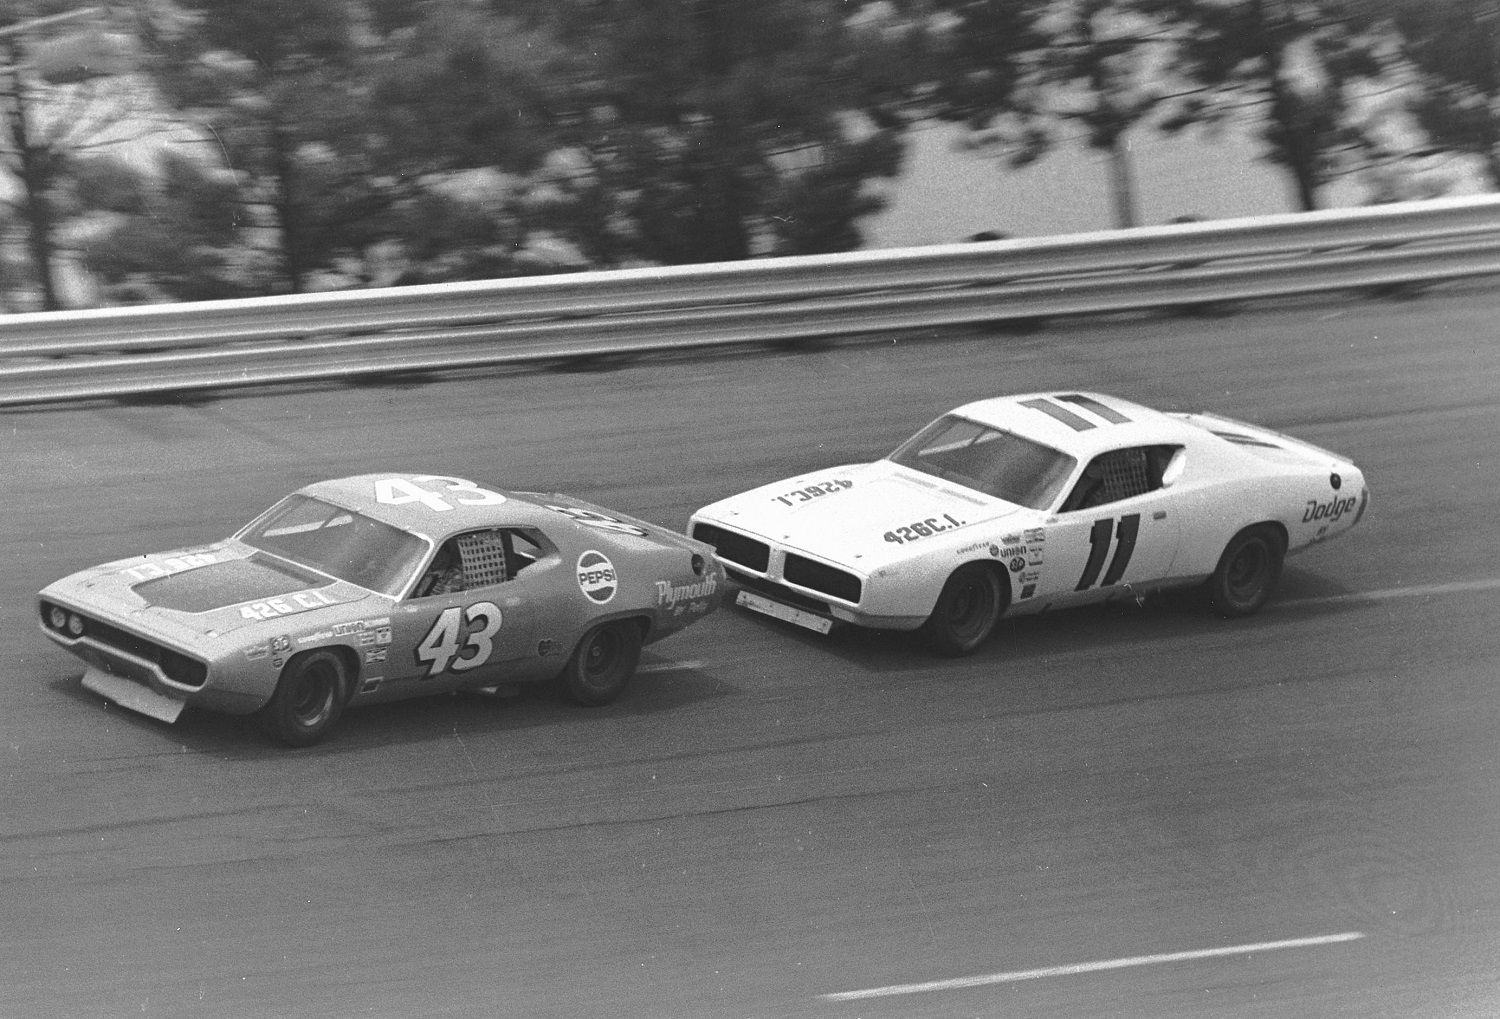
(1120, 474)
(478, 559)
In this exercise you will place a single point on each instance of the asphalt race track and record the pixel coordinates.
(1135, 811)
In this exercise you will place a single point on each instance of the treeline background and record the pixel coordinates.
(321, 144)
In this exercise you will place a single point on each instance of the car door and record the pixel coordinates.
(469, 616)
(1117, 529)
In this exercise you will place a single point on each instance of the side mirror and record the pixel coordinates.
(1174, 468)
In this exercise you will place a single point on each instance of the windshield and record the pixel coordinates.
(339, 542)
(997, 463)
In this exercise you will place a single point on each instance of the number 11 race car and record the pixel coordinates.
(380, 587)
(1018, 504)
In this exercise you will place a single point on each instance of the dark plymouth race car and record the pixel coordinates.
(380, 587)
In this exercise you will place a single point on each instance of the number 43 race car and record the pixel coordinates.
(1018, 504)
(380, 587)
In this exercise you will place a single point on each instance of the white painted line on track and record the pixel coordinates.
(960, 983)
(670, 667)
(1418, 591)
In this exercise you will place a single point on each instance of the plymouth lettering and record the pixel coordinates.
(668, 594)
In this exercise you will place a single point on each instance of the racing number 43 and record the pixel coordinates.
(1124, 534)
(443, 643)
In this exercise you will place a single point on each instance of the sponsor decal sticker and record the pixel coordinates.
(376, 654)
(1011, 539)
(360, 625)
(1032, 534)
(1012, 551)
(1018, 564)
(989, 547)
(255, 652)
(668, 595)
(547, 647)
(596, 577)
(1030, 576)
(1028, 590)
(316, 638)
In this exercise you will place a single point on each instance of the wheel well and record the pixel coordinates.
(346, 654)
(1275, 525)
(998, 568)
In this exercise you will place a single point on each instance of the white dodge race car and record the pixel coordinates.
(1020, 504)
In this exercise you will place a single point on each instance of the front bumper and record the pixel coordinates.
(154, 671)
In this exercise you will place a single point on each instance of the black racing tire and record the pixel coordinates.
(966, 611)
(1247, 572)
(602, 663)
(309, 698)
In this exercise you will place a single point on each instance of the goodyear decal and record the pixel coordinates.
(596, 577)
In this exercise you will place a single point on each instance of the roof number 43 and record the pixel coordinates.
(399, 492)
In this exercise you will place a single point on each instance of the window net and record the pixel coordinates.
(1124, 474)
(483, 558)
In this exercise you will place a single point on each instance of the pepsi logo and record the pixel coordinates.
(596, 576)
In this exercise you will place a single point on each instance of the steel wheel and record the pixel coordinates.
(1247, 572)
(602, 663)
(309, 698)
(966, 611)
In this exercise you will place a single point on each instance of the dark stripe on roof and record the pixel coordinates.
(1109, 414)
(1062, 414)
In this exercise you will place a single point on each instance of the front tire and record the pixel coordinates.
(1247, 572)
(309, 698)
(602, 663)
(966, 611)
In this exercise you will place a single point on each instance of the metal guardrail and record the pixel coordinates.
(115, 352)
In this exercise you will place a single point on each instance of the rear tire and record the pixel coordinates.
(602, 663)
(966, 611)
(1247, 572)
(309, 698)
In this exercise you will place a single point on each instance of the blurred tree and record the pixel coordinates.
(715, 130)
(1455, 48)
(1295, 61)
(168, 232)
(56, 60)
(337, 116)
(1018, 73)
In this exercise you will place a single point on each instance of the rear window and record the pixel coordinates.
(998, 463)
(338, 542)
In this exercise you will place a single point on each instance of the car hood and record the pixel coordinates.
(859, 506)
(190, 595)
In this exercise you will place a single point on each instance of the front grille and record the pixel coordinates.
(771, 589)
(736, 548)
(816, 576)
(178, 667)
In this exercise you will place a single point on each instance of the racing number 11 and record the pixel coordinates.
(1099, 539)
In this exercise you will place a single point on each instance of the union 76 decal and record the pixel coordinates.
(442, 649)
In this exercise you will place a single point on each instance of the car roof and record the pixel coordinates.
(359, 493)
(1080, 423)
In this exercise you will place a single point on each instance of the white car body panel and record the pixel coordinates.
(845, 518)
